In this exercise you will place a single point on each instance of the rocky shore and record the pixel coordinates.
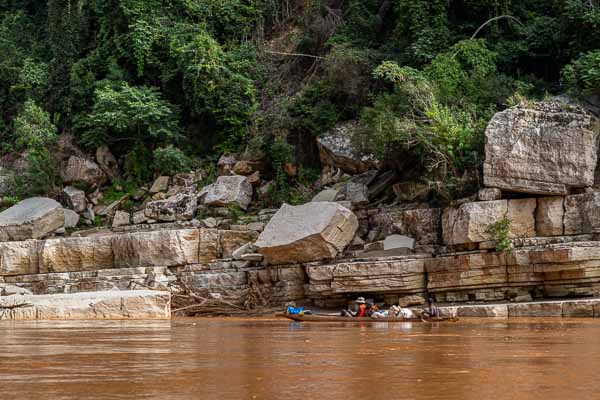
(541, 163)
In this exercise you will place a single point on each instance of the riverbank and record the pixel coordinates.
(148, 304)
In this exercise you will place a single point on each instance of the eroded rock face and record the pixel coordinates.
(131, 304)
(79, 169)
(310, 232)
(582, 213)
(403, 276)
(549, 216)
(548, 148)
(31, 218)
(521, 213)
(76, 254)
(19, 258)
(181, 207)
(470, 222)
(228, 190)
(156, 248)
(336, 149)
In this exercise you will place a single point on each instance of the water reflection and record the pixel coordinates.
(269, 359)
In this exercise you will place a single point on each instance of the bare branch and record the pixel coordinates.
(495, 19)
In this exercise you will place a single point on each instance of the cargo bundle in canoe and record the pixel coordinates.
(337, 318)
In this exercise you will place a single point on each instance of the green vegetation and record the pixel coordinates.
(167, 83)
(500, 230)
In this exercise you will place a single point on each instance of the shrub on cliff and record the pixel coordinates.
(170, 160)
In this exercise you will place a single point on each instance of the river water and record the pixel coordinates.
(274, 359)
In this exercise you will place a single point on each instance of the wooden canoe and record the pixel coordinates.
(338, 318)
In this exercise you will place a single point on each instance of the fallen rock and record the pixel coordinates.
(326, 195)
(230, 240)
(225, 164)
(71, 218)
(548, 148)
(31, 218)
(107, 162)
(161, 184)
(549, 216)
(74, 199)
(336, 149)
(126, 304)
(80, 169)
(309, 232)
(398, 242)
(209, 222)
(228, 190)
(181, 207)
(357, 194)
(139, 217)
(256, 226)
(252, 257)
(121, 218)
(489, 194)
(248, 248)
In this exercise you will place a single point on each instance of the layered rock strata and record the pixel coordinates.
(139, 304)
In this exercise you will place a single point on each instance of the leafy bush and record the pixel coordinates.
(137, 163)
(170, 161)
(437, 114)
(129, 114)
(41, 176)
(583, 75)
(33, 128)
(500, 230)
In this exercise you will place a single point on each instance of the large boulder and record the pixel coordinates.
(180, 207)
(229, 190)
(547, 148)
(336, 149)
(32, 218)
(310, 232)
(79, 169)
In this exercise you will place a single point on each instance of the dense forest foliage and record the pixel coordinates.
(167, 84)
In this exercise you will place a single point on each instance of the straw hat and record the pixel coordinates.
(360, 300)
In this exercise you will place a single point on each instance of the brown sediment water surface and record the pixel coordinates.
(276, 359)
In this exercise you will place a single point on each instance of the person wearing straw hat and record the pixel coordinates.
(362, 309)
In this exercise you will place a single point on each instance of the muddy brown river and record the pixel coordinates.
(273, 359)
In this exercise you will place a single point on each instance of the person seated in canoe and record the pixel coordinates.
(400, 312)
(362, 309)
(432, 311)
